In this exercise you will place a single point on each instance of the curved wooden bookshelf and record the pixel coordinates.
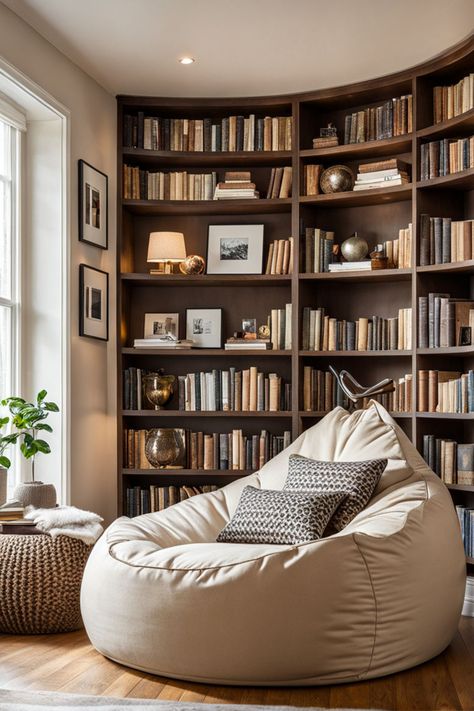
(379, 213)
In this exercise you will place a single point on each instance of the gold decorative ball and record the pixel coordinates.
(263, 331)
(194, 264)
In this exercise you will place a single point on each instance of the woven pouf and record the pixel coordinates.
(40, 582)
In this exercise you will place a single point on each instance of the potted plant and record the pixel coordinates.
(27, 422)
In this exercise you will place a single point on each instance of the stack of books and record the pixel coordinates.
(12, 521)
(234, 390)
(323, 333)
(325, 142)
(441, 320)
(443, 240)
(216, 450)
(162, 342)
(280, 257)
(237, 185)
(453, 100)
(445, 391)
(382, 174)
(453, 462)
(392, 118)
(280, 183)
(239, 344)
(363, 265)
(439, 158)
(156, 498)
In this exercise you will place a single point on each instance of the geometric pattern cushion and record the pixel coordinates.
(280, 517)
(357, 479)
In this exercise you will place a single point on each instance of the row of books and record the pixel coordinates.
(281, 328)
(399, 251)
(453, 99)
(318, 254)
(392, 118)
(229, 450)
(280, 183)
(231, 133)
(453, 462)
(441, 320)
(280, 257)
(466, 521)
(141, 184)
(141, 501)
(443, 240)
(446, 156)
(323, 333)
(321, 392)
(445, 391)
(237, 185)
(247, 390)
(311, 177)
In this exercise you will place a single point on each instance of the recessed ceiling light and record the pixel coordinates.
(186, 60)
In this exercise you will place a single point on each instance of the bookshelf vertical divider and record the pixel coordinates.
(376, 213)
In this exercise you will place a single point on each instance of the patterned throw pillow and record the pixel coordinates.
(357, 479)
(280, 517)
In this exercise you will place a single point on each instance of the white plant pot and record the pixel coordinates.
(35, 493)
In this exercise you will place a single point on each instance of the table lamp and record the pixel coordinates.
(165, 249)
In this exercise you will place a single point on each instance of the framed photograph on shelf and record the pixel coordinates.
(204, 327)
(161, 324)
(93, 303)
(93, 205)
(235, 249)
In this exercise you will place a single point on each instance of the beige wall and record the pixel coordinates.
(93, 138)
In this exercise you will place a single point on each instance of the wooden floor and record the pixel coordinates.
(68, 663)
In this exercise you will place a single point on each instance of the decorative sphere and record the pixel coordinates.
(355, 248)
(194, 264)
(337, 179)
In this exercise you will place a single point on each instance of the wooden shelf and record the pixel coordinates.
(207, 207)
(205, 352)
(461, 487)
(466, 266)
(181, 280)
(445, 415)
(206, 413)
(452, 351)
(464, 180)
(369, 149)
(208, 159)
(356, 354)
(375, 275)
(376, 196)
(180, 474)
(451, 127)
(316, 413)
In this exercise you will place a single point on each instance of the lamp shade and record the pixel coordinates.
(166, 246)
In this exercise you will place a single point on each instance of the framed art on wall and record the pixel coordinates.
(204, 327)
(93, 303)
(235, 249)
(161, 324)
(93, 205)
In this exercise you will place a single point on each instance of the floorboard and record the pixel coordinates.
(68, 663)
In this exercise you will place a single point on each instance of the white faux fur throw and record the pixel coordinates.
(67, 521)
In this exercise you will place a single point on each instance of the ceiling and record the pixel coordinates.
(244, 47)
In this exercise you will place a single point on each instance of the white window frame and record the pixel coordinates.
(16, 122)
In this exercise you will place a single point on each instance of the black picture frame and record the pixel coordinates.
(88, 326)
(86, 229)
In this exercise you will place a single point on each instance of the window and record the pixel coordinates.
(9, 255)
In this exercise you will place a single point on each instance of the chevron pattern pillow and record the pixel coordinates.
(357, 479)
(280, 517)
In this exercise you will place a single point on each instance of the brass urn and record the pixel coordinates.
(164, 448)
(158, 388)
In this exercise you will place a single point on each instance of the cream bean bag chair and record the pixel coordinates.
(160, 595)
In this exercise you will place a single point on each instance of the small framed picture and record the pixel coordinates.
(235, 249)
(161, 324)
(465, 336)
(93, 303)
(204, 327)
(93, 206)
(249, 328)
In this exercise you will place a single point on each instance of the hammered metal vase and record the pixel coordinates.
(158, 388)
(164, 447)
(337, 179)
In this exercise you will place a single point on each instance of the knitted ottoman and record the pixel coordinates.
(40, 582)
